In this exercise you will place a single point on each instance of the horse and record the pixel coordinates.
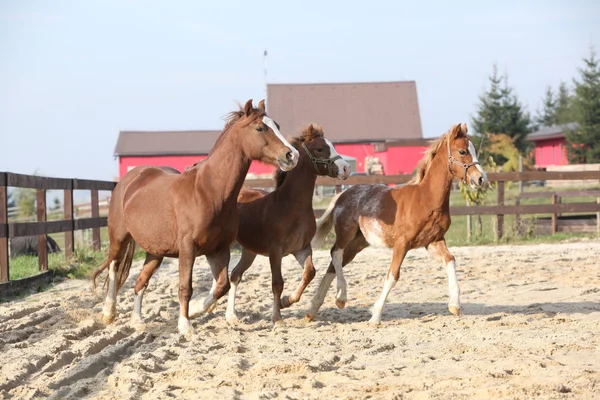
(185, 215)
(282, 222)
(415, 215)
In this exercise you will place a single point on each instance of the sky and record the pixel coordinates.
(75, 73)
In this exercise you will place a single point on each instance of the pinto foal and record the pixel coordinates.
(405, 218)
(282, 222)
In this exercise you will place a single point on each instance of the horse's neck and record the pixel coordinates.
(225, 170)
(437, 182)
(299, 184)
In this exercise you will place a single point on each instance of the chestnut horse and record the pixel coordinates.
(405, 218)
(169, 214)
(282, 222)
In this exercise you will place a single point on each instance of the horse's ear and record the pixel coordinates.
(464, 129)
(261, 105)
(456, 131)
(248, 108)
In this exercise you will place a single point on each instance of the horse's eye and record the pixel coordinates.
(462, 152)
(320, 149)
(261, 128)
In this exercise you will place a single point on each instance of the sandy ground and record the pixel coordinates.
(530, 329)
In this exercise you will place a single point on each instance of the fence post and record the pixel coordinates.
(469, 223)
(68, 215)
(518, 216)
(554, 215)
(520, 170)
(95, 214)
(42, 243)
(4, 267)
(500, 217)
(598, 219)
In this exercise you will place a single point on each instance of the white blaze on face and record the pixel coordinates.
(340, 162)
(474, 155)
(271, 124)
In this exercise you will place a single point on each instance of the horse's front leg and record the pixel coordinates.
(186, 264)
(304, 258)
(392, 277)
(219, 266)
(441, 253)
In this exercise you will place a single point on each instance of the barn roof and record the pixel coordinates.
(150, 143)
(348, 112)
(552, 132)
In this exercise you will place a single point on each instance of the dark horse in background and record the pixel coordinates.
(28, 246)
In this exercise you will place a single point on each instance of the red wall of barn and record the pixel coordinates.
(396, 160)
(550, 152)
(180, 163)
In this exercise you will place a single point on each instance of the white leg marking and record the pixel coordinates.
(197, 307)
(390, 282)
(110, 304)
(230, 315)
(184, 326)
(341, 295)
(453, 288)
(319, 297)
(136, 316)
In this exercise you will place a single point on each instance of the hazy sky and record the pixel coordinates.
(74, 73)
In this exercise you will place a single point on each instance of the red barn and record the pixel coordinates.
(550, 145)
(379, 119)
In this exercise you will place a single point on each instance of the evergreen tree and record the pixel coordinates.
(547, 115)
(499, 111)
(564, 111)
(584, 142)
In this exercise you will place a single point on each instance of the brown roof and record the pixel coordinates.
(348, 112)
(139, 143)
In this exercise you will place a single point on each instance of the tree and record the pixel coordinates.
(584, 142)
(25, 201)
(504, 145)
(564, 111)
(547, 115)
(500, 111)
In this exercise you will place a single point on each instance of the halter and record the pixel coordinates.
(452, 160)
(318, 160)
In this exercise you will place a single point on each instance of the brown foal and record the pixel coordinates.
(282, 222)
(170, 214)
(405, 218)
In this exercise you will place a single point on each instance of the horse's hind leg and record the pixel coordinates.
(242, 266)
(441, 253)
(304, 258)
(354, 247)
(116, 253)
(277, 286)
(150, 266)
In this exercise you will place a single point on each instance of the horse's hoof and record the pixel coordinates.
(185, 328)
(211, 308)
(454, 310)
(279, 324)
(374, 321)
(137, 324)
(308, 317)
(286, 302)
(108, 318)
(232, 319)
(340, 303)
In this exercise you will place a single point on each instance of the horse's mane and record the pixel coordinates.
(425, 163)
(309, 133)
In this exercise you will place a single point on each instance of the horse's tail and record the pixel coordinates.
(122, 268)
(324, 224)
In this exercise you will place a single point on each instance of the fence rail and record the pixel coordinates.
(43, 227)
(500, 209)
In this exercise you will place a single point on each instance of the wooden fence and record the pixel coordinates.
(42, 227)
(68, 225)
